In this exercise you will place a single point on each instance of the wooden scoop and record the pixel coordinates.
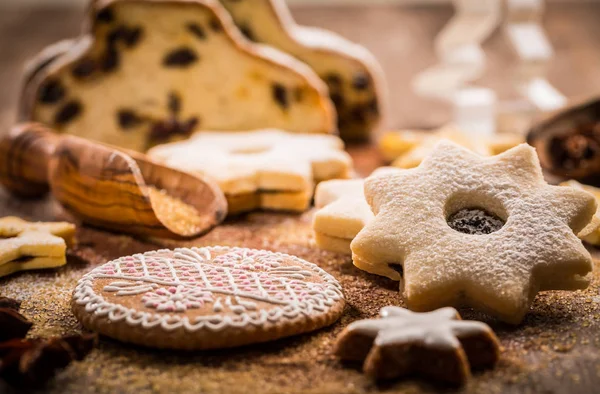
(107, 187)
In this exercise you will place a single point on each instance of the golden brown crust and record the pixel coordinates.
(180, 338)
(358, 118)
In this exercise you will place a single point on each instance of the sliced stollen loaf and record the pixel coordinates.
(152, 71)
(352, 73)
(45, 58)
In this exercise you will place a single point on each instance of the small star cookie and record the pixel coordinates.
(407, 148)
(435, 344)
(28, 246)
(342, 212)
(522, 236)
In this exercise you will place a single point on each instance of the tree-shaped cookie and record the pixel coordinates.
(28, 246)
(153, 71)
(435, 344)
(352, 73)
(485, 232)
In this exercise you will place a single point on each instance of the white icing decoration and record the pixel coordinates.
(191, 278)
(218, 306)
(176, 299)
(439, 328)
(128, 288)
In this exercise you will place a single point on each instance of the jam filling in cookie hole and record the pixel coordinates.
(466, 216)
(475, 221)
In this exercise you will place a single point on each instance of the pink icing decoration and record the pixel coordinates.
(174, 290)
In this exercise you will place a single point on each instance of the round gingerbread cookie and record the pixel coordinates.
(206, 298)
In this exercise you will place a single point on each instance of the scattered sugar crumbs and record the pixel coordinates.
(556, 348)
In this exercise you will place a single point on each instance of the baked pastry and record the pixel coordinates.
(33, 245)
(45, 58)
(591, 233)
(403, 343)
(206, 298)
(407, 148)
(268, 169)
(486, 232)
(152, 71)
(342, 212)
(353, 75)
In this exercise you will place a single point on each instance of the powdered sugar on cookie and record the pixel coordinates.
(272, 163)
(501, 272)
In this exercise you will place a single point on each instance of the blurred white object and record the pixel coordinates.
(534, 52)
(462, 62)
(542, 94)
(475, 111)
(529, 41)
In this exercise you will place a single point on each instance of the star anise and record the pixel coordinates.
(32, 362)
(6, 302)
(12, 323)
(578, 153)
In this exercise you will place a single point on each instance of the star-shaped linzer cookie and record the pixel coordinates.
(434, 345)
(490, 233)
(27, 246)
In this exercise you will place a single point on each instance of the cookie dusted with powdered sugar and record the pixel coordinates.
(260, 169)
(484, 232)
(206, 298)
(353, 75)
(153, 71)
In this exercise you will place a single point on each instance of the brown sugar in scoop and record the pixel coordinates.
(175, 214)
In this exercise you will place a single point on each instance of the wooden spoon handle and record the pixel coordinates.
(24, 159)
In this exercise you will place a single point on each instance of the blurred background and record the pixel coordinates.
(400, 33)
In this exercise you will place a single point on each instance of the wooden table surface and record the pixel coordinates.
(556, 349)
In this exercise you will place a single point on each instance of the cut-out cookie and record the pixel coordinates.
(353, 75)
(269, 169)
(434, 345)
(342, 212)
(407, 148)
(27, 246)
(287, 201)
(591, 233)
(155, 71)
(536, 249)
(206, 298)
